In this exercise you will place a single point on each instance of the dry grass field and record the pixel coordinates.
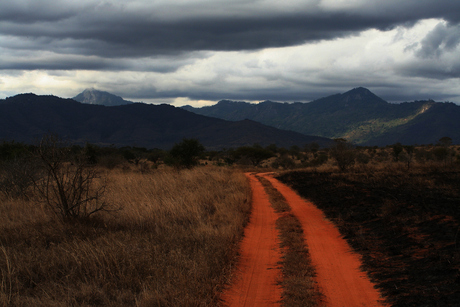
(172, 242)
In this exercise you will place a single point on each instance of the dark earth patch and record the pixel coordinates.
(404, 224)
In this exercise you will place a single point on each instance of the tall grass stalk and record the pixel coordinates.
(6, 286)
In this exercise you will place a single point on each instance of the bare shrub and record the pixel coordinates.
(68, 185)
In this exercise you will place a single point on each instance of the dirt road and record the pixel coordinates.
(255, 283)
(338, 269)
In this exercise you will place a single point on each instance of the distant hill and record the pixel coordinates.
(26, 117)
(92, 96)
(357, 115)
(437, 121)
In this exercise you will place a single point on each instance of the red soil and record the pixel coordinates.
(255, 283)
(339, 276)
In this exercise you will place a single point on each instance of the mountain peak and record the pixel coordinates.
(360, 89)
(360, 94)
(93, 96)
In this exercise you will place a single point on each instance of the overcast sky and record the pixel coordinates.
(200, 51)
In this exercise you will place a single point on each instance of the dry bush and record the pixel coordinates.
(173, 244)
(70, 186)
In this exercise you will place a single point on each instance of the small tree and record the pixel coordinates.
(312, 147)
(343, 153)
(294, 151)
(186, 153)
(254, 154)
(68, 185)
(273, 148)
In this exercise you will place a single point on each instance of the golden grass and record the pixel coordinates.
(173, 243)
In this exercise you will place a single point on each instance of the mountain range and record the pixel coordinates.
(358, 115)
(26, 117)
(106, 119)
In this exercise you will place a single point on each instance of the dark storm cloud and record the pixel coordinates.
(30, 12)
(154, 49)
(443, 38)
(110, 30)
(435, 70)
(71, 62)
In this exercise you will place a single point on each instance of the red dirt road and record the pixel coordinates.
(338, 268)
(255, 283)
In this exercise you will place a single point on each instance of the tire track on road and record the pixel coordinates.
(338, 268)
(258, 272)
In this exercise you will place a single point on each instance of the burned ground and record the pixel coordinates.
(405, 224)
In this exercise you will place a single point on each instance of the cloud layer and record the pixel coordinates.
(252, 50)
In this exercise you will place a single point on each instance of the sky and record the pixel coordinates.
(198, 52)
